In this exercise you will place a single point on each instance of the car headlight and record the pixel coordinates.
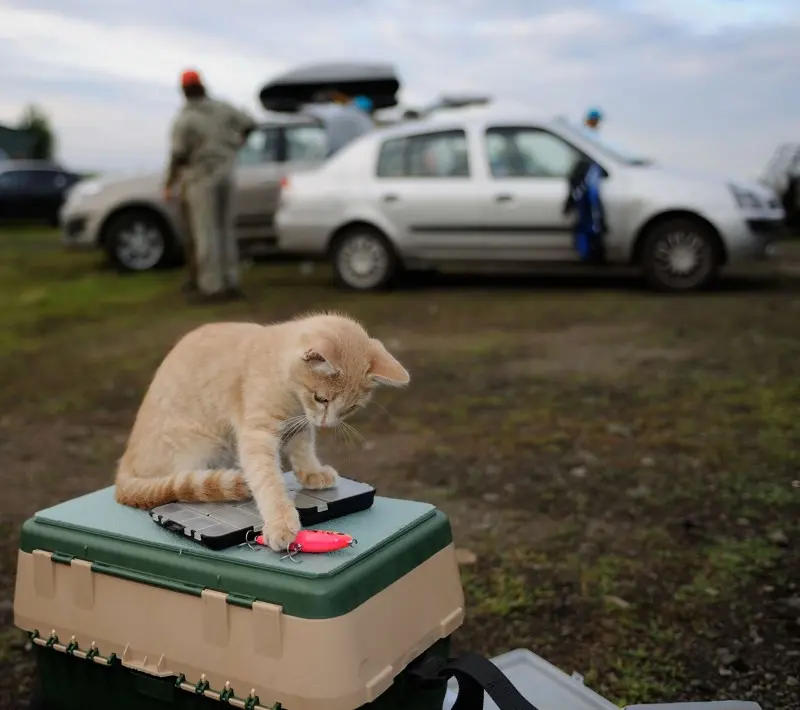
(746, 199)
(84, 188)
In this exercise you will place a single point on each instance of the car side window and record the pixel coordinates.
(47, 180)
(14, 180)
(392, 157)
(529, 153)
(430, 155)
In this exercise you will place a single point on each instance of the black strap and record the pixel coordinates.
(475, 674)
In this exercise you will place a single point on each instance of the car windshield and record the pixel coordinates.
(610, 149)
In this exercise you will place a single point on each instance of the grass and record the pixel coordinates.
(623, 466)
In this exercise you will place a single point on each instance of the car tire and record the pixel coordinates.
(680, 255)
(139, 240)
(363, 259)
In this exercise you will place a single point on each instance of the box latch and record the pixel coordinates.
(82, 583)
(215, 617)
(44, 576)
(267, 629)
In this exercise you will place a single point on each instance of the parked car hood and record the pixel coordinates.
(711, 179)
(147, 182)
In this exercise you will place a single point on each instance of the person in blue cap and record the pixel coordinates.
(364, 103)
(593, 118)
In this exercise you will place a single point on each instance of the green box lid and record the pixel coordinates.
(394, 537)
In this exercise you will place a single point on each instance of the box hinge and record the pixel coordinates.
(241, 600)
(72, 648)
(251, 701)
(215, 617)
(61, 557)
(227, 695)
(267, 629)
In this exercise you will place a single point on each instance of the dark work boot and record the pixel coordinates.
(200, 298)
(234, 293)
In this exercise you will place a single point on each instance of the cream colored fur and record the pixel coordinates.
(229, 396)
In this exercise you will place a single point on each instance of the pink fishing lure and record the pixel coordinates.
(317, 541)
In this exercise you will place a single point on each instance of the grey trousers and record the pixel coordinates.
(210, 203)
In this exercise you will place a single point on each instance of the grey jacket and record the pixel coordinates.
(206, 136)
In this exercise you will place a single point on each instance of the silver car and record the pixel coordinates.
(486, 187)
(129, 219)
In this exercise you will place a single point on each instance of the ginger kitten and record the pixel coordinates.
(229, 396)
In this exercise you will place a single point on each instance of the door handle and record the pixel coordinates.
(503, 197)
(390, 198)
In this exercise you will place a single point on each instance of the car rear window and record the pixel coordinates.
(306, 143)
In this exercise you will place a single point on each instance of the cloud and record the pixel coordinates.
(707, 83)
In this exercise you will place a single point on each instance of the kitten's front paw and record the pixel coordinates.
(282, 527)
(324, 477)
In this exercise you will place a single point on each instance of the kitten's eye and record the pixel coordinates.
(320, 398)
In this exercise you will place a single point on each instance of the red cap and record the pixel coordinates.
(190, 78)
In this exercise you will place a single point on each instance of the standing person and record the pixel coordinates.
(585, 201)
(189, 246)
(365, 104)
(593, 119)
(344, 121)
(207, 134)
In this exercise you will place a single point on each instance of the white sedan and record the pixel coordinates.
(486, 187)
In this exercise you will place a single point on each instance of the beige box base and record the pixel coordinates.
(305, 664)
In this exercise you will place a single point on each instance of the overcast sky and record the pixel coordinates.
(710, 84)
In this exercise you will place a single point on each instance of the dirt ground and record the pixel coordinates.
(622, 469)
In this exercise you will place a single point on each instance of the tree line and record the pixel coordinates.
(37, 123)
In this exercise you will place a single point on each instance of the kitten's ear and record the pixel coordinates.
(384, 369)
(321, 359)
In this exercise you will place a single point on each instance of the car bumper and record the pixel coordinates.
(754, 239)
(78, 231)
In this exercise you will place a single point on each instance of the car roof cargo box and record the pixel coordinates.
(307, 84)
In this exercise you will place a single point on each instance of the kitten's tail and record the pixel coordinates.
(210, 485)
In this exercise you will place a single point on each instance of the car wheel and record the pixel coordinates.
(363, 259)
(680, 255)
(138, 240)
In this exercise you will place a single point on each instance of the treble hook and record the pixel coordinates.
(292, 551)
(252, 544)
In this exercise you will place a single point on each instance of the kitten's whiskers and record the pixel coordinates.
(355, 432)
(388, 413)
(292, 426)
